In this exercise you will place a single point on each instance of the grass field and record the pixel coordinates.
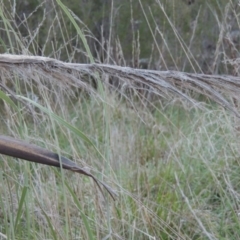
(174, 165)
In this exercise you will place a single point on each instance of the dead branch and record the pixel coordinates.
(20, 149)
(219, 88)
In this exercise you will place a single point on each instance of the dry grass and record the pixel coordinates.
(221, 89)
(160, 189)
(156, 137)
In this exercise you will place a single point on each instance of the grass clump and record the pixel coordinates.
(167, 143)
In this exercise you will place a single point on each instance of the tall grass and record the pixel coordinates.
(166, 142)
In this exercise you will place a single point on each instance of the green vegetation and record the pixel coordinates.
(175, 168)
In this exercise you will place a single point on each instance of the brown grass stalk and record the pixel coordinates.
(219, 88)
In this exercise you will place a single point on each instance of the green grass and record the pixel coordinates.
(176, 169)
(173, 168)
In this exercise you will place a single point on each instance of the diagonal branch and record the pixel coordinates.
(20, 149)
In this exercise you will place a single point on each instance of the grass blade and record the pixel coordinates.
(85, 221)
(8, 100)
(20, 207)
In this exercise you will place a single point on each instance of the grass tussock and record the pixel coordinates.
(175, 170)
(167, 142)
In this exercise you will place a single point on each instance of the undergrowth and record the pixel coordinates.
(175, 168)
